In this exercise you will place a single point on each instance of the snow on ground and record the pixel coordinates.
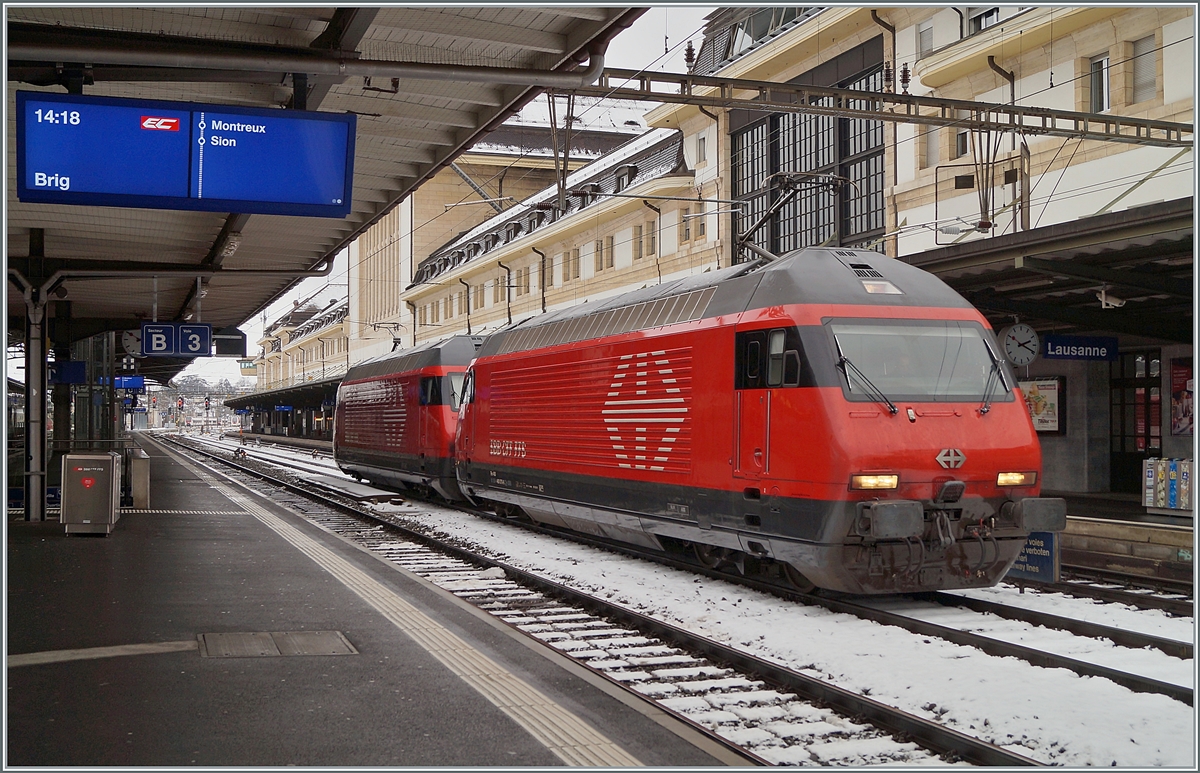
(1147, 621)
(1148, 662)
(1051, 715)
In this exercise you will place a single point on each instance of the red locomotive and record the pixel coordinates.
(837, 413)
(396, 416)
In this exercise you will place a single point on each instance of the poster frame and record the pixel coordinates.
(1060, 423)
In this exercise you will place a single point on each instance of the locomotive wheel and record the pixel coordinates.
(511, 511)
(710, 556)
(797, 580)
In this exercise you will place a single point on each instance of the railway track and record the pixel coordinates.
(773, 713)
(1132, 590)
(1144, 592)
(882, 610)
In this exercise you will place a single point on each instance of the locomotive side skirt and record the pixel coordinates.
(838, 544)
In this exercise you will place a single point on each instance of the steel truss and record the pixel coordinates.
(885, 106)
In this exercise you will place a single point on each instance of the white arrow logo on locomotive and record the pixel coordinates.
(951, 458)
(644, 428)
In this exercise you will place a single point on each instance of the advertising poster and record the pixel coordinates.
(1182, 410)
(1044, 397)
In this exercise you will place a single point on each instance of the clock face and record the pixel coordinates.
(1020, 344)
(131, 341)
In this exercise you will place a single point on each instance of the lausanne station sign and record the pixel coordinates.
(74, 149)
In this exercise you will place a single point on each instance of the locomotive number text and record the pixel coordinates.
(513, 448)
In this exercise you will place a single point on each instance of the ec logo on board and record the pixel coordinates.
(160, 124)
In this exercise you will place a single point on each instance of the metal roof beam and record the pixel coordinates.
(480, 31)
(343, 33)
(45, 43)
(1126, 322)
(883, 106)
(1138, 280)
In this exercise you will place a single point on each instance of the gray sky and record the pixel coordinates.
(662, 28)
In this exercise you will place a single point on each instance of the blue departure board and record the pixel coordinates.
(103, 151)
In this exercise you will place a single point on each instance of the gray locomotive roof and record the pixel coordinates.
(457, 350)
(810, 275)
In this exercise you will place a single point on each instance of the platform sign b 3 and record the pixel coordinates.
(168, 340)
(158, 339)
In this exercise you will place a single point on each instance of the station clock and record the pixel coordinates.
(1019, 343)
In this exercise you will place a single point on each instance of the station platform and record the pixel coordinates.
(219, 629)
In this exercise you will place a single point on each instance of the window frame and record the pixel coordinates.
(983, 19)
(922, 28)
(1099, 76)
(1135, 66)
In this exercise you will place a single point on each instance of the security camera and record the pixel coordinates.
(1109, 301)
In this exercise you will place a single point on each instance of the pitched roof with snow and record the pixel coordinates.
(654, 154)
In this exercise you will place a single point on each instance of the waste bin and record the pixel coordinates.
(91, 492)
(139, 478)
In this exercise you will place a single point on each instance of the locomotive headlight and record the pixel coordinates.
(1016, 479)
(874, 481)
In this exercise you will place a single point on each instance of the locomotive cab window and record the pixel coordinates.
(468, 388)
(775, 358)
(431, 390)
(442, 390)
(918, 360)
(454, 384)
(752, 359)
(768, 358)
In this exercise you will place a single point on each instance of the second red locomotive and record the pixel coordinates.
(396, 416)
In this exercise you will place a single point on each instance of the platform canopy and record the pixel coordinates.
(425, 84)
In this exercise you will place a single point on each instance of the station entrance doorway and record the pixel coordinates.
(1135, 386)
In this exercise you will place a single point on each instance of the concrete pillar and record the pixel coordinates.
(61, 395)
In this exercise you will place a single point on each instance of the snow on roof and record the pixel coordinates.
(591, 113)
(622, 155)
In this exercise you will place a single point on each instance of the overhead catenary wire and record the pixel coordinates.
(1023, 97)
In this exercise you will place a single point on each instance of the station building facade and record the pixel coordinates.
(638, 216)
(513, 163)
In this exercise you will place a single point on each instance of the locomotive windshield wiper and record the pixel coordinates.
(872, 390)
(992, 380)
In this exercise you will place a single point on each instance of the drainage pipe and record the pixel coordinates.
(541, 275)
(413, 308)
(467, 295)
(507, 289)
(1011, 77)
